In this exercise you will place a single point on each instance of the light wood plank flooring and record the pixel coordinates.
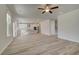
(38, 44)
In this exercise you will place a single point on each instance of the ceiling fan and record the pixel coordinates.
(48, 8)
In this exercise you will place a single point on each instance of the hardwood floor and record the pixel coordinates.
(38, 44)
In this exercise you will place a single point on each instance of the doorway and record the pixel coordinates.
(28, 28)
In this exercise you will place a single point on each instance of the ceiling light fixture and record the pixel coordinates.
(48, 8)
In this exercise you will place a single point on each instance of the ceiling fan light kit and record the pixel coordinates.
(48, 8)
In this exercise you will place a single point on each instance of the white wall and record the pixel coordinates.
(68, 26)
(52, 22)
(4, 40)
(27, 20)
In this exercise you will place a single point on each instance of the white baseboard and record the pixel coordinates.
(6, 46)
(64, 38)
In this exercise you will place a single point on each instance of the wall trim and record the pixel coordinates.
(60, 37)
(6, 46)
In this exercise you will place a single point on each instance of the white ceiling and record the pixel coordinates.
(31, 11)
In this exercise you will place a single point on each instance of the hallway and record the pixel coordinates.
(39, 44)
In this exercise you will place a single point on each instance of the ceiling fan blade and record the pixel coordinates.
(43, 12)
(54, 7)
(41, 8)
(50, 12)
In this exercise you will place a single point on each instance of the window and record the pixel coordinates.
(8, 25)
